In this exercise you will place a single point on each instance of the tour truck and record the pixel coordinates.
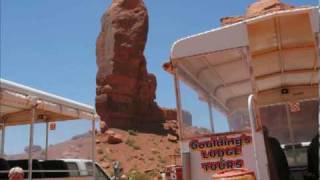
(252, 88)
(43, 115)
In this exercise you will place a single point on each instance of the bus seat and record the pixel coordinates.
(4, 166)
(313, 157)
(24, 164)
(55, 165)
(279, 159)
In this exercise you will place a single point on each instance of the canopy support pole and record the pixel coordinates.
(211, 117)
(33, 118)
(3, 138)
(253, 132)
(178, 102)
(185, 156)
(47, 139)
(93, 147)
(318, 61)
(254, 122)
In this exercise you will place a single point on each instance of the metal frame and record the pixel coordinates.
(47, 139)
(93, 147)
(31, 133)
(179, 106)
(253, 121)
(185, 168)
(211, 117)
(3, 133)
(252, 106)
(204, 90)
(31, 140)
(317, 43)
(253, 131)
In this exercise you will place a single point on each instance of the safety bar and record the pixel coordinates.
(253, 131)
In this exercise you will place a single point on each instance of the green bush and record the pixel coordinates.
(100, 151)
(162, 160)
(132, 132)
(132, 143)
(135, 175)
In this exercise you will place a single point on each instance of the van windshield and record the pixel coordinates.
(294, 124)
(291, 123)
(201, 116)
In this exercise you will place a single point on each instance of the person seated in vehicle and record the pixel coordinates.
(16, 173)
(313, 159)
(278, 164)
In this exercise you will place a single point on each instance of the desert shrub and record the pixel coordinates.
(100, 151)
(135, 175)
(153, 173)
(132, 143)
(162, 160)
(136, 147)
(132, 132)
(107, 157)
(154, 151)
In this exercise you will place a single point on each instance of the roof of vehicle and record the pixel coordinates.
(16, 102)
(76, 160)
(260, 55)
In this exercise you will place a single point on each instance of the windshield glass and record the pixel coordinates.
(201, 115)
(294, 125)
(297, 124)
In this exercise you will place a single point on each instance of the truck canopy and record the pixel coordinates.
(260, 55)
(17, 100)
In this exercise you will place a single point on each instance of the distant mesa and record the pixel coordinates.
(34, 148)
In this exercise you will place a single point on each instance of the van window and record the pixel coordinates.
(73, 168)
(100, 175)
(89, 168)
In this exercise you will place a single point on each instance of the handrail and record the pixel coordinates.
(253, 131)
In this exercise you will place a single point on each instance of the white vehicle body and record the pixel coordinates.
(84, 168)
(249, 68)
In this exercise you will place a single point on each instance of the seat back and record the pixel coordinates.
(4, 166)
(279, 159)
(313, 157)
(24, 164)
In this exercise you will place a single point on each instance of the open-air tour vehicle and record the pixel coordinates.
(261, 76)
(22, 106)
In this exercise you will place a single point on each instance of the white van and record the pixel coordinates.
(83, 168)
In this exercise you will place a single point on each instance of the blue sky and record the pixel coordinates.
(50, 44)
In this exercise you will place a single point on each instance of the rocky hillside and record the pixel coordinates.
(137, 150)
(144, 152)
(73, 148)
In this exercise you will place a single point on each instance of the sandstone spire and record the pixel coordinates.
(125, 92)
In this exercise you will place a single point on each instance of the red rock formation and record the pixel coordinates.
(266, 6)
(256, 9)
(169, 114)
(125, 91)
